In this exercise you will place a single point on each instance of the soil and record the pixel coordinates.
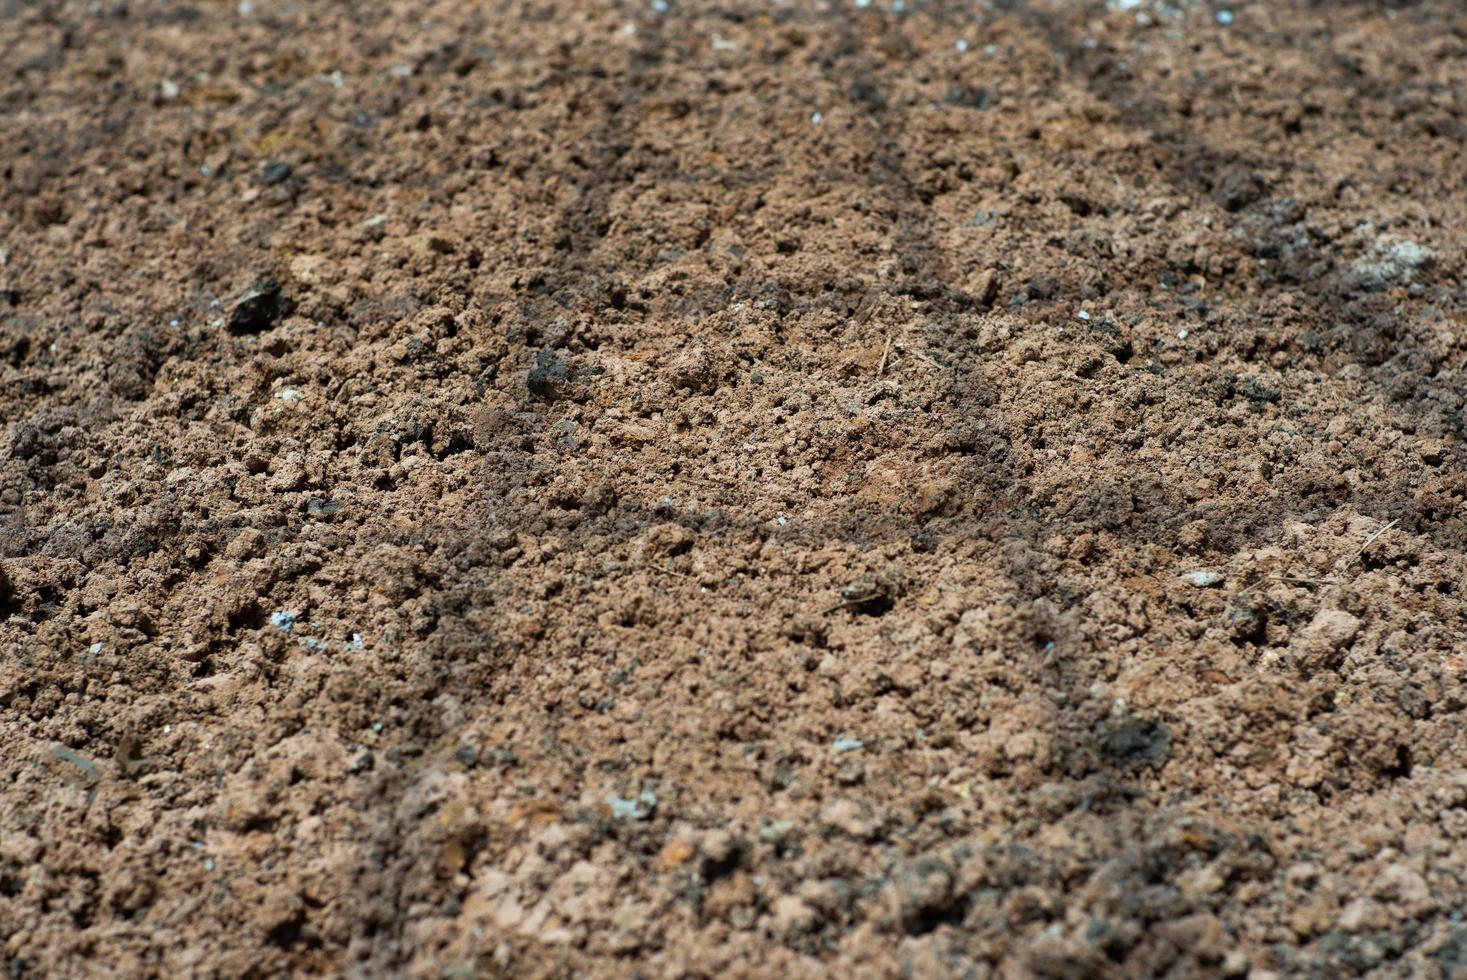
(597, 489)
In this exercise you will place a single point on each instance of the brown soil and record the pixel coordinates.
(566, 488)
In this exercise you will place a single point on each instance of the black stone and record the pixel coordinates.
(258, 308)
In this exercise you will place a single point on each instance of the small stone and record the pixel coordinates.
(283, 620)
(848, 744)
(274, 173)
(983, 285)
(639, 808)
(258, 308)
(1203, 579)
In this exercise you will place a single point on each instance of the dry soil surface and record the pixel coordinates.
(763, 489)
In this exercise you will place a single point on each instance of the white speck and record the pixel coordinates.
(1121, 6)
(721, 43)
(375, 220)
(667, 502)
(377, 727)
(283, 620)
(862, 4)
(897, 6)
(817, 118)
(334, 79)
(402, 71)
(1083, 315)
(781, 520)
(629, 30)
(291, 396)
(990, 49)
(173, 323)
(356, 642)
(1181, 335)
(204, 170)
(209, 862)
(169, 88)
(660, 6)
(95, 649)
(1202, 579)
(1225, 18)
(245, 8)
(214, 304)
(961, 45)
(844, 744)
(167, 729)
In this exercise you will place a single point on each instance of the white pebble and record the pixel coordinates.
(961, 45)
(1203, 579)
(1181, 335)
(817, 118)
(1225, 18)
(1084, 315)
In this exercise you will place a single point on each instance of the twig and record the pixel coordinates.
(1371, 540)
(881, 368)
(665, 571)
(852, 601)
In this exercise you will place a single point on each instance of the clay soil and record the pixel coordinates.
(578, 489)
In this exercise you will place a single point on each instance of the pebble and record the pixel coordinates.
(817, 118)
(275, 172)
(639, 808)
(848, 744)
(1203, 579)
(1225, 18)
(283, 620)
(258, 308)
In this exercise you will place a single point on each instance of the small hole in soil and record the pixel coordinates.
(1402, 767)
